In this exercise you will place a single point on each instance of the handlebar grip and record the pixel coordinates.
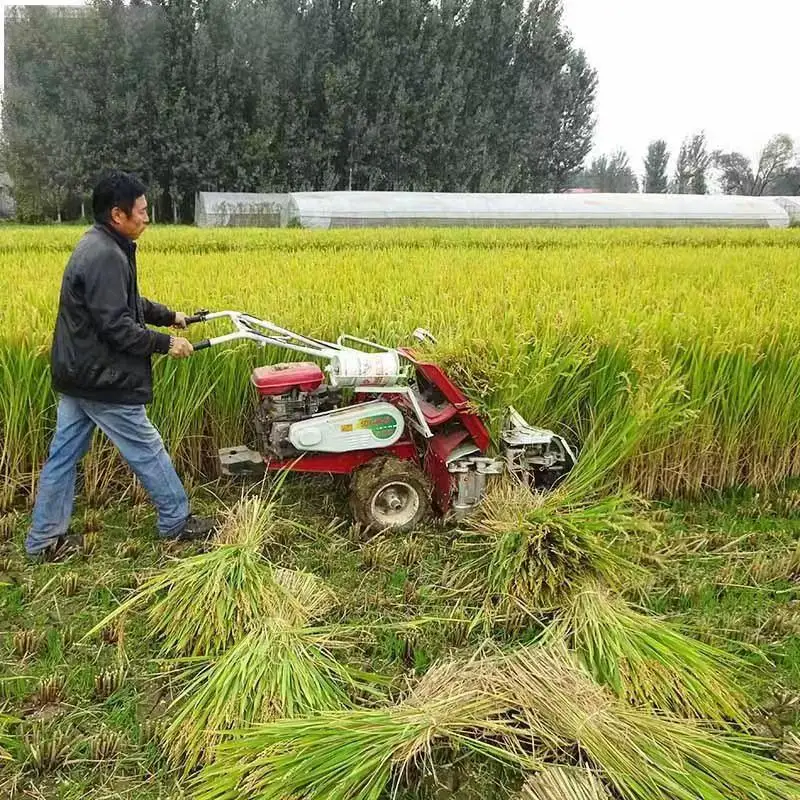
(198, 316)
(202, 345)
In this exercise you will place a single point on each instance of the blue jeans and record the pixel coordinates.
(141, 446)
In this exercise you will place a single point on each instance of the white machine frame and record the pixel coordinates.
(247, 328)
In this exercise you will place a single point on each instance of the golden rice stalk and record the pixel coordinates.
(204, 604)
(558, 782)
(523, 554)
(272, 673)
(646, 661)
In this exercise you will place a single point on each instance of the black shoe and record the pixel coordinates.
(62, 549)
(194, 528)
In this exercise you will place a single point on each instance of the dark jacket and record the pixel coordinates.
(102, 345)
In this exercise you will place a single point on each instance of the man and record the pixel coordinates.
(100, 364)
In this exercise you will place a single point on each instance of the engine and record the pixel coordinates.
(276, 415)
(288, 393)
(297, 413)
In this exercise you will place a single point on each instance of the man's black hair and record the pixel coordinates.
(115, 189)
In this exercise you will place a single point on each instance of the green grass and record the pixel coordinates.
(714, 569)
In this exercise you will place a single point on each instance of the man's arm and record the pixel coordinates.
(105, 292)
(156, 314)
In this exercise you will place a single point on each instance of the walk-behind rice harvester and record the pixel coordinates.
(406, 435)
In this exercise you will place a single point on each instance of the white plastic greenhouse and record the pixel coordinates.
(792, 207)
(354, 209)
(381, 209)
(240, 209)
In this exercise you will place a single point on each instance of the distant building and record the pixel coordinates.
(577, 209)
(792, 207)
(240, 209)
(436, 209)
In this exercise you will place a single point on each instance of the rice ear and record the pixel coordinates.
(271, 673)
(249, 522)
(239, 587)
(646, 661)
(558, 782)
(312, 595)
(524, 555)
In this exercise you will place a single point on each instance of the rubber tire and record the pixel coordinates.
(368, 480)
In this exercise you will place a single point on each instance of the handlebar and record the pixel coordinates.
(263, 333)
(198, 316)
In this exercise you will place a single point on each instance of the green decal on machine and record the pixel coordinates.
(382, 426)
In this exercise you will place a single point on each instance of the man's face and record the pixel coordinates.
(131, 225)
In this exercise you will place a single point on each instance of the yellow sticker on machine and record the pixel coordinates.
(382, 426)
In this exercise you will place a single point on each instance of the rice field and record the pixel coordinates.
(693, 332)
(632, 635)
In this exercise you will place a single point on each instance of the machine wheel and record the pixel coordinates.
(389, 493)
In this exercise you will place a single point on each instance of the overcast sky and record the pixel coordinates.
(667, 69)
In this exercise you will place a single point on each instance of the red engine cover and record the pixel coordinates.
(282, 378)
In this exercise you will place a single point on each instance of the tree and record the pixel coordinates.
(773, 175)
(609, 174)
(681, 183)
(736, 173)
(655, 167)
(41, 134)
(788, 183)
(551, 106)
(692, 167)
(775, 160)
(280, 95)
